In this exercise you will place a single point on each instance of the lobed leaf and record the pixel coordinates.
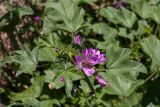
(121, 72)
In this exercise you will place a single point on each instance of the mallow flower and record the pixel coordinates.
(101, 81)
(77, 39)
(88, 59)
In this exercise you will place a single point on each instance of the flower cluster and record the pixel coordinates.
(88, 59)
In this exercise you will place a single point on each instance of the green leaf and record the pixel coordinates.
(150, 46)
(143, 27)
(123, 33)
(25, 10)
(47, 54)
(52, 41)
(154, 2)
(69, 75)
(28, 61)
(152, 105)
(131, 101)
(49, 20)
(135, 99)
(88, 1)
(3, 23)
(110, 14)
(56, 82)
(109, 35)
(108, 32)
(85, 87)
(33, 91)
(122, 72)
(31, 102)
(132, 2)
(122, 16)
(142, 8)
(2, 90)
(34, 2)
(68, 85)
(49, 75)
(27, 64)
(49, 103)
(72, 18)
(73, 74)
(155, 13)
(48, 25)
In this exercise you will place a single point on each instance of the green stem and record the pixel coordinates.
(124, 101)
(153, 74)
(91, 87)
(100, 69)
(72, 36)
(135, 35)
(156, 30)
(90, 84)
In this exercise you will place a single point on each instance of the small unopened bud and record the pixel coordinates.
(77, 39)
(118, 4)
(62, 79)
(37, 18)
(101, 81)
(50, 86)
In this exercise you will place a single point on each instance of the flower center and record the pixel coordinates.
(86, 64)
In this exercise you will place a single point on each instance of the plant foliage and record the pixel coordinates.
(47, 47)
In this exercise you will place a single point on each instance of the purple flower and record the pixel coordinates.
(37, 18)
(77, 39)
(118, 4)
(88, 59)
(62, 79)
(101, 81)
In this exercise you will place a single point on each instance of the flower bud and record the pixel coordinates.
(62, 79)
(118, 4)
(37, 18)
(101, 81)
(77, 39)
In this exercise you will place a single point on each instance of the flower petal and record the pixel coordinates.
(95, 52)
(102, 58)
(77, 58)
(85, 52)
(89, 71)
(93, 60)
(78, 62)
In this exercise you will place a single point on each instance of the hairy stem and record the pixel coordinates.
(125, 101)
(156, 30)
(153, 74)
(90, 84)
(91, 87)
